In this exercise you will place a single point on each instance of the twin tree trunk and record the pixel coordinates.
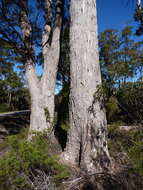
(87, 144)
(41, 90)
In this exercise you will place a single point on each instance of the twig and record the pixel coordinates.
(79, 179)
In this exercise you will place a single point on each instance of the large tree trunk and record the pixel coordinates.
(87, 143)
(41, 90)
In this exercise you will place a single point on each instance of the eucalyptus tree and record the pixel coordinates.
(87, 142)
(42, 91)
(121, 66)
(23, 26)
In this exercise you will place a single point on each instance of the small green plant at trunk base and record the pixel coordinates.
(47, 114)
(26, 161)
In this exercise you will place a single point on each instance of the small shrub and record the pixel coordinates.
(4, 108)
(136, 157)
(119, 140)
(65, 125)
(19, 165)
(112, 108)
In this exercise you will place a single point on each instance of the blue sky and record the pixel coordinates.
(115, 14)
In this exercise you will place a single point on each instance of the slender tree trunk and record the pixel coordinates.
(9, 99)
(51, 59)
(41, 90)
(87, 143)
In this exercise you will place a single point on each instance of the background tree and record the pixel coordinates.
(13, 91)
(121, 65)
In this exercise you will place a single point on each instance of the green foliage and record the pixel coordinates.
(112, 107)
(4, 108)
(47, 114)
(121, 65)
(119, 55)
(130, 143)
(10, 140)
(136, 156)
(13, 94)
(113, 130)
(130, 97)
(121, 140)
(135, 151)
(24, 158)
(65, 125)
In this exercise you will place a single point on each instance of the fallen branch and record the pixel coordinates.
(75, 181)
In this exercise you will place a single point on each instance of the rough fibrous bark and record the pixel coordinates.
(41, 90)
(87, 143)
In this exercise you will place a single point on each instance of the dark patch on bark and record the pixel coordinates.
(80, 154)
(93, 135)
(104, 161)
(104, 144)
(98, 134)
(92, 110)
(102, 129)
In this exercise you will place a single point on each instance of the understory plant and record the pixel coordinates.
(29, 166)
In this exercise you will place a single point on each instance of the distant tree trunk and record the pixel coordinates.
(87, 143)
(42, 90)
(9, 99)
